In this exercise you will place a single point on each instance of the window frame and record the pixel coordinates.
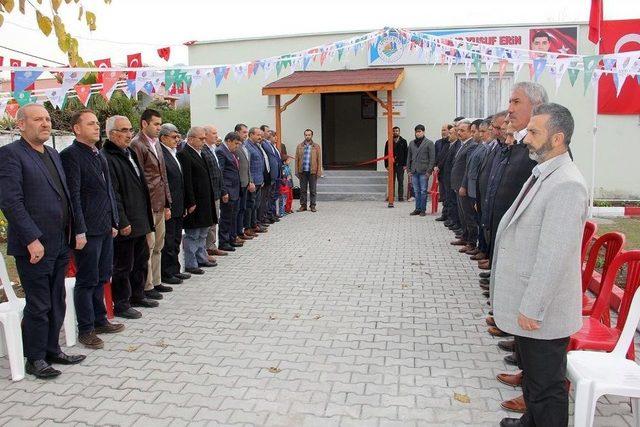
(507, 76)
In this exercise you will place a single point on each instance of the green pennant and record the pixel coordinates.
(278, 68)
(573, 73)
(170, 78)
(477, 64)
(590, 63)
(23, 97)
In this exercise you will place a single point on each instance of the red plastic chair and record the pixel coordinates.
(434, 192)
(595, 335)
(613, 243)
(590, 229)
(108, 298)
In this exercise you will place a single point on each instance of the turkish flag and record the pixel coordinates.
(619, 36)
(133, 61)
(102, 63)
(14, 63)
(595, 21)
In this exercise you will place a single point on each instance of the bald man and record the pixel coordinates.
(215, 174)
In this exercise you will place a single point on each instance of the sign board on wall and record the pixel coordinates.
(390, 50)
(399, 109)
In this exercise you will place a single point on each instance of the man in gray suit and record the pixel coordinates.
(536, 281)
(421, 157)
(465, 207)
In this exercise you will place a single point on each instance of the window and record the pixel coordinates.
(222, 100)
(271, 100)
(484, 96)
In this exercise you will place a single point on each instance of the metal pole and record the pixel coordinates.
(592, 196)
(278, 122)
(390, 161)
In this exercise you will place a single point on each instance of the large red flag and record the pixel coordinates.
(595, 21)
(619, 36)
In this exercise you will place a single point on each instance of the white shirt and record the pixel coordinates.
(173, 152)
(266, 158)
(519, 136)
(152, 144)
(213, 151)
(197, 151)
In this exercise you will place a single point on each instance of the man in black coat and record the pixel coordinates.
(230, 167)
(400, 159)
(453, 220)
(442, 149)
(198, 200)
(130, 248)
(96, 224)
(215, 174)
(36, 202)
(169, 262)
(458, 169)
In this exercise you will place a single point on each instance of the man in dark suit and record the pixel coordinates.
(209, 154)
(458, 168)
(453, 220)
(400, 148)
(467, 191)
(36, 202)
(442, 148)
(230, 189)
(130, 247)
(198, 199)
(170, 264)
(275, 165)
(257, 168)
(243, 229)
(96, 224)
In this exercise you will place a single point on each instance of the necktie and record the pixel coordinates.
(526, 191)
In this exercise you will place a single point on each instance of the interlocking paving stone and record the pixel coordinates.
(358, 315)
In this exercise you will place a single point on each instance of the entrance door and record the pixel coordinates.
(349, 130)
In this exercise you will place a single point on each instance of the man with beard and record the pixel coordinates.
(421, 156)
(308, 169)
(399, 159)
(537, 278)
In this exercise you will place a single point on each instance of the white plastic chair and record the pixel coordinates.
(70, 322)
(10, 317)
(595, 374)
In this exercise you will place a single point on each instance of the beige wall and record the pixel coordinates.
(429, 93)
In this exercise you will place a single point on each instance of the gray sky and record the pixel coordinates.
(132, 26)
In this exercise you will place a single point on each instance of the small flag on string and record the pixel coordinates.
(56, 96)
(83, 92)
(133, 61)
(22, 80)
(12, 109)
(23, 97)
(102, 63)
(590, 63)
(109, 80)
(164, 53)
(538, 67)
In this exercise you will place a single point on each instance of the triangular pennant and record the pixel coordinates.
(573, 72)
(83, 92)
(164, 53)
(23, 79)
(131, 88)
(3, 101)
(70, 79)
(219, 73)
(12, 109)
(306, 60)
(559, 69)
(449, 62)
(478, 65)
(22, 97)
(502, 67)
(147, 88)
(278, 68)
(467, 66)
(142, 78)
(340, 49)
(590, 63)
(608, 63)
(56, 96)
(109, 80)
(538, 67)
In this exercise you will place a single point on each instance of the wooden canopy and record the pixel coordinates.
(369, 80)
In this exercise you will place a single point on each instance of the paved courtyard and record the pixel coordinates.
(355, 315)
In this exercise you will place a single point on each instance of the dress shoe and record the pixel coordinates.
(510, 359)
(511, 422)
(507, 345)
(260, 230)
(484, 286)
(90, 340)
(441, 218)
(211, 259)
(183, 276)
(486, 266)
(163, 288)
(207, 264)
(248, 232)
(473, 252)
(302, 208)
(219, 252)
(415, 212)
(235, 245)
(484, 281)
(41, 369)
(448, 223)
(490, 321)
(515, 405)
(109, 328)
(173, 280)
(485, 294)
(195, 270)
(275, 219)
(144, 302)
(264, 225)
(246, 237)
(484, 275)
(458, 242)
(479, 256)
(423, 213)
(209, 251)
(465, 249)
(497, 332)
(228, 248)
(65, 359)
(129, 313)
(514, 380)
(313, 209)
(153, 294)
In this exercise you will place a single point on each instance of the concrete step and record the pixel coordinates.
(350, 196)
(352, 185)
(339, 172)
(352, 188)
(353, 180)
